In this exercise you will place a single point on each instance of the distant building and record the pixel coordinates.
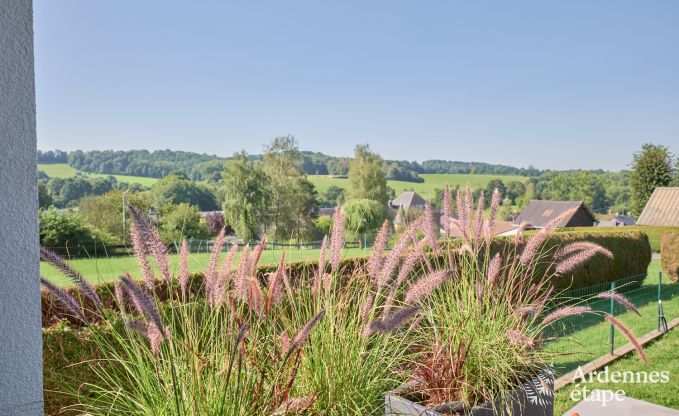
(502, 228)
(662, 209)
(617, 221)
(329, 211)
(407, 200)
(540, 213)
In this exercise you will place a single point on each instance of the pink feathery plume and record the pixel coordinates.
(390, 322)
(525, 311)
(495, 201)
(303, 334)
(255, 294)
(327, 283)
(155, 336)
(184, 267)
(223, 276)
(58, 263)
(447, 210)
(577, 259)
(142, 302)
(65, 298)
(153, 242)
(337, 239)
(519, 231)
(321, 267)
(564, 312)
(285, 342)
(428, 227)
(533, 246)
(629, 335)
(479, 217)
(140, 250)
(425, 286)
(275, 284)
(138, 327)
(494, 269)
(579, 246)
(367, 306)
(408, 265)
(241, 280)
(377, 255)
(396, 253)
(620, 299)
(119, 292)
(468, 207)
(256, 255)
(211, 276)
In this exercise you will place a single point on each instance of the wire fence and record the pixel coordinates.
(577, 340)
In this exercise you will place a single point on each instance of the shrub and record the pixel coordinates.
(670, 254)
(64, 230)
(181, 221)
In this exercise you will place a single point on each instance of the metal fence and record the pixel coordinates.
(579, 339)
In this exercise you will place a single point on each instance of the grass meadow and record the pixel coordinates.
(425, 189)
(64, 170)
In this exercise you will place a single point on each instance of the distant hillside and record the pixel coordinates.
(160, 163)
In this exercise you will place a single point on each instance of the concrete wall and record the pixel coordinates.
(20, 335)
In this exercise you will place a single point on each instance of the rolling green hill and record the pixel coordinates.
(425, 189)
(63, 170)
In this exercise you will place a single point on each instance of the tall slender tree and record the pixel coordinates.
(651, 168)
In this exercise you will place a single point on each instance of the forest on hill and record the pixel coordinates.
(204, 167)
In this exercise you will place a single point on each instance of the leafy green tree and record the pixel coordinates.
(363, 216)
(491, 186)
(332, 197)
(292, 197)
(105, 212)
(367, 177)
(44, 196)
(181, 221)
(578, 186)
(245, 196)
(651, 168)
(64, 230)
(177, 188)
(322, 225)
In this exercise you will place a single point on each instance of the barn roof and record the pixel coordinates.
(540, 213)
(662, 209)
(408, 199)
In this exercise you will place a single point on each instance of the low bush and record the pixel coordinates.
(670, 254)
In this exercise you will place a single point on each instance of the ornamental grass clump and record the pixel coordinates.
(485, 309)
(217, 352)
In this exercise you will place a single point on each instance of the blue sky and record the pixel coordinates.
(568, 84)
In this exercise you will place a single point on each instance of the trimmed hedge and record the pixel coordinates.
(670, 255)
(654, 233)
(631, 250)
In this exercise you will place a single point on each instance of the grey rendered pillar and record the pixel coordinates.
(20, 333)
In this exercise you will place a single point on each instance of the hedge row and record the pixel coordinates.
(654, 233)
(631, 250)
(670, 255)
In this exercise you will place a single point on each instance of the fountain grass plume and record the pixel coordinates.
(119, 292)
(296, 405)
(275, 285)
(447, 210)
(396, 253)
(241, 278)
(58, 263)
(428, 227)
(575, 247)
(575, 260)
(65, 298)
(495, 201)
(142, 302)
(564, 312)
(629, 335)
(211, 276)
(617, 297)
(377, 255)
(336, 239)
(390, 322)
(140, 250)
(303, 334)
(153, 242)
(533, 246)
(183, 268)
(481, 205)
(256, 255)
(494, 268)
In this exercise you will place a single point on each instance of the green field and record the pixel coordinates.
(103, 269)
(64, 170)
(425, 189)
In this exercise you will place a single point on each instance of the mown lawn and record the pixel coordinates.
(64, 170)
(425, 189)
(662, 356)
(104, 269)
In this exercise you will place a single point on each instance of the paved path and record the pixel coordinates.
(626, 407)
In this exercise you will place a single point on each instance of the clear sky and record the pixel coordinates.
(556, 84)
